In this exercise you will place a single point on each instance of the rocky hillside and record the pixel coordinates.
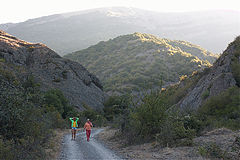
(70, 32)
(210, 103)
(224, 74)
(20, 58)
(137, 62)
(214, 144)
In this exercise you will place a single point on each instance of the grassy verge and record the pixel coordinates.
(53, 146)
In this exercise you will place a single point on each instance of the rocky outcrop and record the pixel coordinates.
(52, 71)
(215, 80)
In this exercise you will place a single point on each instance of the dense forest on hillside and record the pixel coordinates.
(137, 62)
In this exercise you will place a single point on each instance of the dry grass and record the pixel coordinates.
(53, 147)
(111, 138)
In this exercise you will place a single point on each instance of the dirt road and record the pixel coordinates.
(80, 149)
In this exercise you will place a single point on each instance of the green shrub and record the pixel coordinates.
(154, 119)
(205, 94)
(144, 121)
(27, 118)
(95, 117)
(115, 105)
(2, 60)
(57, 80)
(6, 150)
(10, 76)
(211, 151)
(64, 74)
(30, 85)
(194, 122)
(151, 114)
(203, 151)
(222, 110)
(23, 123)
(176, 132)
(56, 99)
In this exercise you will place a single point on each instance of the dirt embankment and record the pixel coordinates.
(53, 147)
(217, 144)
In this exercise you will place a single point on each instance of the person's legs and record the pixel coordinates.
(72, 133)
(75, 133)
(88, 132)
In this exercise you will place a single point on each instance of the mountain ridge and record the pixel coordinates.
(79, 30)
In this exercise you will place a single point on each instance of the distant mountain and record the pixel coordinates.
(70, 32)
(21, 59)
(137, 62)
(5, 26)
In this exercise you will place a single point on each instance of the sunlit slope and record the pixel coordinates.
(136, 62)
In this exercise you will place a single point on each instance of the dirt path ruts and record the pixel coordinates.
(80, 149)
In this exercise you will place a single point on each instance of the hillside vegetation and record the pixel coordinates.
(30, 112)
(137, 62)
(161, 118)
(28, 116)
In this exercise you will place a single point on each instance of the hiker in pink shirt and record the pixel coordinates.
(88, 125)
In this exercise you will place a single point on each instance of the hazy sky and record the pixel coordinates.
(21, 10)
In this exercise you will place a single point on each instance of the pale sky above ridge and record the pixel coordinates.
(21, 10)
